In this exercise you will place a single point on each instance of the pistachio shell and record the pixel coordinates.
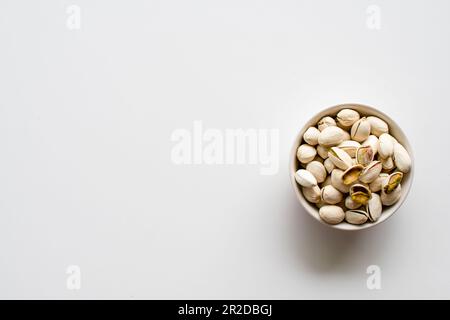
(360, 193)
(327, 182)
(305, 178)
(331, 195)
(377, 126)
(350, 147)
(312, 194)
(311, 136)
(318, 170)
(318, 158)
(352, 174)
(364, 155)
(356, 216)
(402, 159)
(322, 151)
(386, 146)
(388, 199)
(374, 207)
(371, 172)
(306, 153)
(392, 182)
(360, 130)
(329, 165)
(340, 158)
(336, 181)
(376, 185)
(331, 136)
(320, 204)
(326, 122)
(373, 142)
(331, 214)
(387, 163)
(350, 204)
(347, 117)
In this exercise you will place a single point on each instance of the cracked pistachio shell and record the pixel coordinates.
(388, 199)
(306, 153)
(331, 195)
(326, 122)
(385, 146)
(360, 130)
(311, 136)
(312, 194)
(350, 147)
(336, 181)
(401, 158)
(377, 126)
(340, 158)
(331, 136)
(318, 170)
(360, 193)
(305, 178)
(392, 182)
(371, 172)
(364, 155)
(373, 142)
(387, 163)
(356, 216)
(327, 182)
(329, 165)
(350, 204)
(331, 214)
(322, 152)
(347, 117)
(352, 174)
(376, 185)
(374, 207)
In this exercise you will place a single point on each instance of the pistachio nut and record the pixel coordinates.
(360, 130)
(311, 136)
(331, 195)
(372, 141)
(347, 117)
(376, 185)
(387, 163)
(327, 182)
(370, 172)
(306, 153)
(305, 178)
(340, 158)
(360, 193)
(385, 145)
(320, 204)
(331, 214)
(326, 122)
(331, 136)
(350, 204)
(377, 126)
(318, 158)
(329, 165)
(388, 199)
(356, 216)
(322, 151)
(402, 159)
(318, 170)
(364, 155)
(392, 182)
(350, 147)
(336, 181)
(374, 207)
(352, 174)
(312, 194)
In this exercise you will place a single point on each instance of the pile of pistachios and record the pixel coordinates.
(351, 167)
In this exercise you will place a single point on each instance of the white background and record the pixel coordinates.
(86, 176)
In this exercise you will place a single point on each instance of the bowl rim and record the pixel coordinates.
(312, 210)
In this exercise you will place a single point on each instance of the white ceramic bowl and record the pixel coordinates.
(394, 130)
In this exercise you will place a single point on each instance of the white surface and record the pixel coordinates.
(85, 122)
